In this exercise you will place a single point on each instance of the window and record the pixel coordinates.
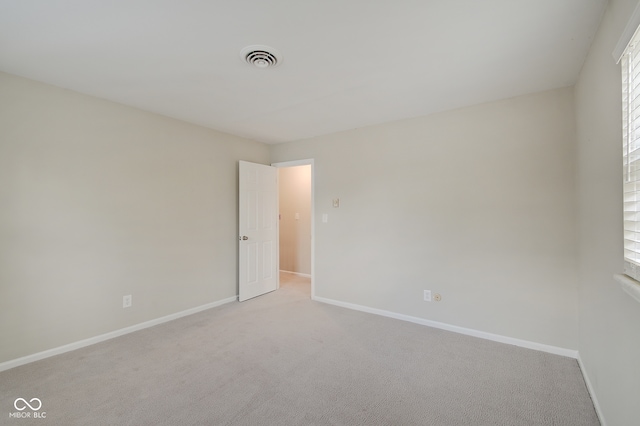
(630, 64)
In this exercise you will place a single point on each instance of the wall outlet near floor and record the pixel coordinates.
(437, 297)
(427, 295)
(126, 301)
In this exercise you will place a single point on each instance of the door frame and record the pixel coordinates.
(305, 162)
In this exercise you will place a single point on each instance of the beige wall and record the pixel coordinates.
(295, 233)
(99, 200)
(609, 342)
(477, 204)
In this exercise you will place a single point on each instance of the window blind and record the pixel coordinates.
(630, 65)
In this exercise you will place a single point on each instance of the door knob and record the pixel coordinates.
(244, 238)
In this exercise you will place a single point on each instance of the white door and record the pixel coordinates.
(258, 213)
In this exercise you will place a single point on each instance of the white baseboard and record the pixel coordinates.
(456, 329)
(296, 273)
(592, 392)
(101, 338)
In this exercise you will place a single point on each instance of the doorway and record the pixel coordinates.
(295, 224)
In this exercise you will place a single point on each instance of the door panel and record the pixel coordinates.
(258, 230)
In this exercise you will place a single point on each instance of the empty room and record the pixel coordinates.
(329, 212)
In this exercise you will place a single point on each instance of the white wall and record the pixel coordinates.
(609, 342)
(294, 187)
(477, 204)
(99, 200)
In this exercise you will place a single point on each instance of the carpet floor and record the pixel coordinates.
(282, 359)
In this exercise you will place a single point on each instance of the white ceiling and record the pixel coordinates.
(347, 63)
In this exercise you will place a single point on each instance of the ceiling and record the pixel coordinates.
(347, 63)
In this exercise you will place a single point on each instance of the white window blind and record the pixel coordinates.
(630, 64)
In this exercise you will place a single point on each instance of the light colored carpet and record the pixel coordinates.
(282, 359)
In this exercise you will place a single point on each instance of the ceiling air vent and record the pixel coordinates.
(261, 56)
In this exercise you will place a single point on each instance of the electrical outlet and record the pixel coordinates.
(427, 295)
(336, 202)
(437, 297)
(126, 301)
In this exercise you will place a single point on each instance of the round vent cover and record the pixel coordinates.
(261, 56)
